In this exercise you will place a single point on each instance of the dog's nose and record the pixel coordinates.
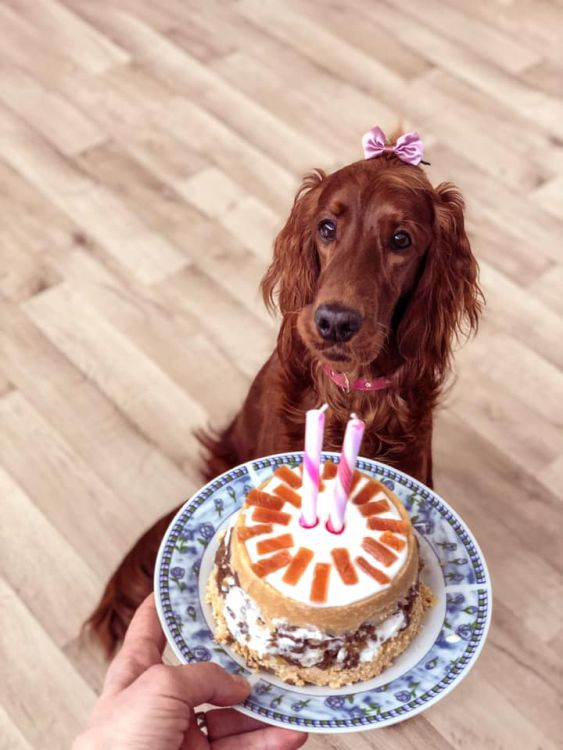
(336, 323)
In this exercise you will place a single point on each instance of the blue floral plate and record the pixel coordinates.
(435, 662)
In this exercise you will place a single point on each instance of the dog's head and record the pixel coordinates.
(374, 264)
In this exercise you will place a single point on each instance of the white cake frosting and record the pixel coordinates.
(245, 624)
(321, 541)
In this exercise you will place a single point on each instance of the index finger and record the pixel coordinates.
(142, 648)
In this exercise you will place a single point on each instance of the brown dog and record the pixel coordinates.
(374, 278)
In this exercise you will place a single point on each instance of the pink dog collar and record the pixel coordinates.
(361, 384)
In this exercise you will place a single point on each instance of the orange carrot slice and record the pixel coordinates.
(357, 476)
(379, 575)
(247, 532)
(319, 588)
(370, 489)
(289, 477)
(381, 553)
(288, 494)
(298, 566)
(264, 500)
(372, 509)
(344, 565)
(330, 470)
(387, 524)
(269, 564)
(392, 541)
(277, 542)
(266, 515)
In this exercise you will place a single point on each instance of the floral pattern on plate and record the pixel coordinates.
(181, 573)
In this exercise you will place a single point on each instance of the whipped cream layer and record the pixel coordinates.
(321, 542)
(306, 646)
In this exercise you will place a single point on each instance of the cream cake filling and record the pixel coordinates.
(322, 542)
(245, 623)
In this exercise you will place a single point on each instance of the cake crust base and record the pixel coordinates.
(334, 676)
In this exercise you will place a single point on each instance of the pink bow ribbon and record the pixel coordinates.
(408, 147)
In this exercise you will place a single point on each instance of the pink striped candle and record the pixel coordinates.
(314, 428)
(346, 467)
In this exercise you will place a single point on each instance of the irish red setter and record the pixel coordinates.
(374, 278)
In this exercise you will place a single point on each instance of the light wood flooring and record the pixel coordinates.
(149, 152)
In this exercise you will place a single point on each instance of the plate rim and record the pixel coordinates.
(360, 726)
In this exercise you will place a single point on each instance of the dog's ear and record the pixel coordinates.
(447, 299)
(291, 279)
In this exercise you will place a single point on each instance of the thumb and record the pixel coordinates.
(142, 647)
(194, 684)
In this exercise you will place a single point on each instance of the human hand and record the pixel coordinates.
(146, 705)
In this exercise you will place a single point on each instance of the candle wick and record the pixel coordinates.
(354, 415)
(323, 408)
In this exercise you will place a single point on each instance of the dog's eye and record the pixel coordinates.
(400, 241)
(327, 230)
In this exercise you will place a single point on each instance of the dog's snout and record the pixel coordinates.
(336, 323)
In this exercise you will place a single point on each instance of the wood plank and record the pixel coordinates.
(185, 24)
(10, 736)
(361, 32)
(549, 196)
(504, 419)
(196, 130)
(523, 315)
(537, 21)
(104, 438)
(499, 143)
(160, 408)
(192, 79)
(185, 291)
(165, 211)
(519, 370)
(50, 114)
(513, 669)
(251, 222)
(174, 340)
(323, 48)
(53, 566)
(54, 21)
(23, 275)
(485, 488)
(5, 383)
(95, 208)
(552, 476)
(53, 470)
(545, 76)
(30, 221)
(511, 213)
(503, 723)
(502, 134)
(270, 81)
(538, 108)
(40, 691)
(500, 49)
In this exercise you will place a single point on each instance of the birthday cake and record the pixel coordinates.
(312, 605)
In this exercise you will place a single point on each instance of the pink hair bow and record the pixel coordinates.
(408, 147)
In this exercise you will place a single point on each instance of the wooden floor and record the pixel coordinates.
(148, 154)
